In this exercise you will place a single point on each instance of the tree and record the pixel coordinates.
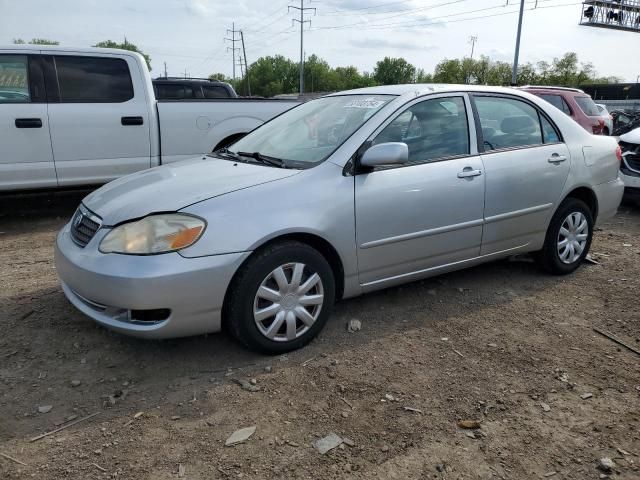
(271, 76)
(349, 78)
(36, 41)
(423, 77)
(448, 71)
(219, 77)
(393, 71)
(125, 46)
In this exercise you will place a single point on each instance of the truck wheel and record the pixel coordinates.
(281, 298)
(568, 238)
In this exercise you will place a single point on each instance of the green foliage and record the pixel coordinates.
(125, 46)
(275, 75)
(564, 71)
(394, 71)
(220, 77)
(36, 41)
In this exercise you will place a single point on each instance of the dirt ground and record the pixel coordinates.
(503, 344)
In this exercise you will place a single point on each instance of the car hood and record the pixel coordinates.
(175, 186)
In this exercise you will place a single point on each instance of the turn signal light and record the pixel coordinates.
(184, 238)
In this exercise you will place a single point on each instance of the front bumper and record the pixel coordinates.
(631, 183)
(108, 287)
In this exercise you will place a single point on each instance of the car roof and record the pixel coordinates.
(58, 48)
(184, 80)
(425, 89)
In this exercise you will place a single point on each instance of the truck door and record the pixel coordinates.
(26, 160)
(100, 123)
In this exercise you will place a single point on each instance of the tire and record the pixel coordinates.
(253, 319)
(551, 256)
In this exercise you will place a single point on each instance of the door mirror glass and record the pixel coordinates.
(390, 153)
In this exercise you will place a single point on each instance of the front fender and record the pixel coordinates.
(318, 201)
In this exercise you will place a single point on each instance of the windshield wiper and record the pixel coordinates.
(276, 162)
(226, 153)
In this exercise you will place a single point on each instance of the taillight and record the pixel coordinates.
(597, 129)
(619, 154)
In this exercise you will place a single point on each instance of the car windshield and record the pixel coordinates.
(308, 134)
(587, 106)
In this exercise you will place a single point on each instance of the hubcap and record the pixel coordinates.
(288, 302)
(572, 238)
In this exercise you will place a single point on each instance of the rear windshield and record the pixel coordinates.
(587, 106)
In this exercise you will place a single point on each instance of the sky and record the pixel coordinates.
(189, 34)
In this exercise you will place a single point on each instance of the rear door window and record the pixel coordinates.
(508, 123)
(557, 101)
(173, 91)
(588, 106)
(14, 79)
(93, 79)
(214, 91)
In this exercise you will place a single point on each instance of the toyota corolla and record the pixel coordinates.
(351, 193)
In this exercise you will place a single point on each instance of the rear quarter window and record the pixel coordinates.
(587, 106)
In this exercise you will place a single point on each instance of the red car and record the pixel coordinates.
(575, 103)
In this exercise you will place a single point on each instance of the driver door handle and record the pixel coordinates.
(555, 158)
(469, 172)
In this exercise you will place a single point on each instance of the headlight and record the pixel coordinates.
(154, 234)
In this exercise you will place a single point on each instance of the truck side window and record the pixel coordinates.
(93, 79)
(211, 91)
(14, 79)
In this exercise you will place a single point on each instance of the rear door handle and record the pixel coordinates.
(28, 123)
(129, 121)
(555, 158)
(469, 172)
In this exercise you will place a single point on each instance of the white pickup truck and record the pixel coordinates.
(86, 116)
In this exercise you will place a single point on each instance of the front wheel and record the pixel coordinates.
(281, 298)
(568, 238)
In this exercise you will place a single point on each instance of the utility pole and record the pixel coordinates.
(246, 65)
(233, 47)
(472, 40)
(302, 21)
(514, 73)
(165, 70)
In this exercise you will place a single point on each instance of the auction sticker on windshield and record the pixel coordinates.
(369, 102)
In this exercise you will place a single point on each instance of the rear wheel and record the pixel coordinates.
(281, 298)
(568, 238)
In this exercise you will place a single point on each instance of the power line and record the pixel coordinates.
(346, 13)
(369, 7)
(439, 21)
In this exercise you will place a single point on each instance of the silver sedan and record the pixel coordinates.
(350, 193)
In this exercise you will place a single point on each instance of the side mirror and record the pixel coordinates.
(390, 153)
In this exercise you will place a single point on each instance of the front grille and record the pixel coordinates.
(84, 226)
